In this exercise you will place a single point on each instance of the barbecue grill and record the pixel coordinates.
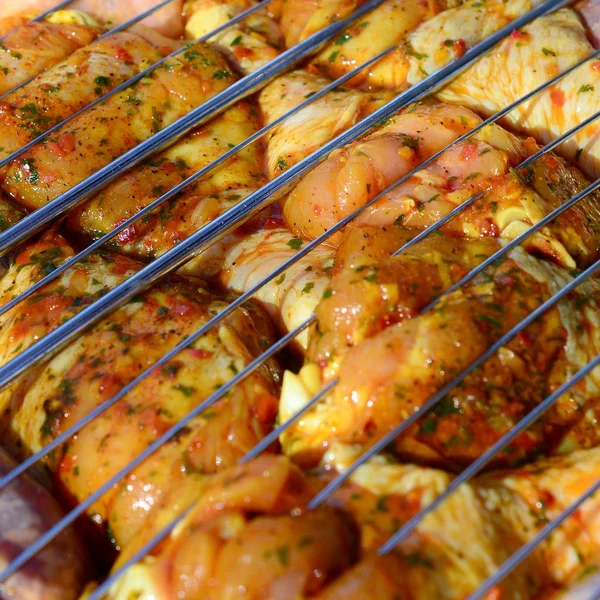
(242, 212)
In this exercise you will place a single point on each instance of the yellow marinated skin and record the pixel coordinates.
(544, 49)
(37, 46)
(197, 205)
(108, 130)
(248, 45)
(57, 394)
(301, 18)
(69, 86)
(442, 38)
(380, 29)
(290, 298)
(313, 126)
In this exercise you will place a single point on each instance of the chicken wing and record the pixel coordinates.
(313, 126)
(390, 358)
(290, 298)
(385, 26)
(199, 204)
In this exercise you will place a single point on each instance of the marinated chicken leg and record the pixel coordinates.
(58, 393)
(37, 46)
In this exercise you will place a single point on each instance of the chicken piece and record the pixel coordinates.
(168, 20)
(385, 26)
(290, 298)
(313, 126)
(301, 18)
(239, 534)
(249, 45)
(247, 533)
(38, 46)
(481, 524)
(70, 86)
(548, 45)
(106, 131)
(55, 395)
(199, 204)
(395, 358)
(27, 510)
(511, 203)
(437, 41)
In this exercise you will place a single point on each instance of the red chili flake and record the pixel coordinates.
(460, 47)
(265, 408)
(122, 54)
(199, 353)
(519, 35)
(469, 151)
(595, 66)
(318, 210)
(127, 235)
(525, 338)
(240, 52)
(67, 142)
(557, 97)
(274, 222)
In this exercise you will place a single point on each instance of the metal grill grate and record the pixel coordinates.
(240, 213)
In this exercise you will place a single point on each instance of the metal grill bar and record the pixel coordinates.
(243, 210)
(217, 104)
(116, 29)
(40, 17)
(126, 84)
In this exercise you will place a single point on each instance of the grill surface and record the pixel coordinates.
(237, 215)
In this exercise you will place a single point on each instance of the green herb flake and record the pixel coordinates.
(309, 286)
(187, 391)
